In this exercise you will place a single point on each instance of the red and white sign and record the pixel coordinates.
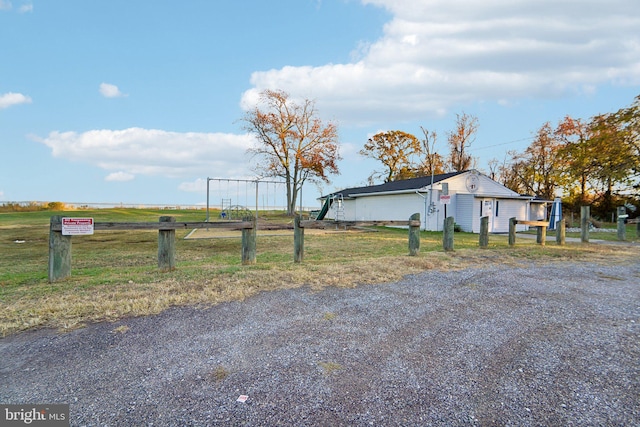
(77, 226)
(445, 199)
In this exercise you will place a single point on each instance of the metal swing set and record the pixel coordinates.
(239, 207)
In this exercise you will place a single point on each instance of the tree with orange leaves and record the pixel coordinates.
(292, 142)
(394, 150)
(580, 155)
(539, 168)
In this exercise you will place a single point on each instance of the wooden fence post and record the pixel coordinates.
(622, 227)
(167, 246)
(512, 231)
(484, 232)
(541, 235)
(585, 214)
(298, 240)
(447, 238)
(59, 251)
(561, 232)
(249, 243)
(414, 235)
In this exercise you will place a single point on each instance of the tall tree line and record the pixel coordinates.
(595, 162)
(405, 156)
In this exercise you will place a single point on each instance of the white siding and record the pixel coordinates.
(464, 205)
(509, 209)
(397, 207)
(538, 211)
(443, 211)
(465, 211)
(486, 186)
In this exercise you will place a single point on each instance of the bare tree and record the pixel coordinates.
(513, 173)
(433, 162)
(292, 142)
(494, 166)
(460, 140)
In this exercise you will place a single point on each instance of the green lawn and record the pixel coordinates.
(631, 231)
(115, 273)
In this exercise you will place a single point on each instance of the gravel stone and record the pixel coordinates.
(553, 344)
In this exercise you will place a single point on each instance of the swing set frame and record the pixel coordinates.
(256, 182)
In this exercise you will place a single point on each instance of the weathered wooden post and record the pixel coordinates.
(298, 240)
(414, 234)
(561, 232)
(59, 251)
(585, 214)
(622, 227)
(167, 246)
(484, 232)
(249, 243)
(447, 238)
(541, 235)
(512, 231)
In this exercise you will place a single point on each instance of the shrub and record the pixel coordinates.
(55, 206)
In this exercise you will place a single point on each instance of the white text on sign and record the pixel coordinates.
(77, 226)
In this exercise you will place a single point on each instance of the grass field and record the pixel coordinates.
(609, 235)
(115, 274)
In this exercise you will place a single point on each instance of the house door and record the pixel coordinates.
(486, 209)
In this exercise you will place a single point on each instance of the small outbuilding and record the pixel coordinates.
(467, 196)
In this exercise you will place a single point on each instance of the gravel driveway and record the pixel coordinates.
(536, 345)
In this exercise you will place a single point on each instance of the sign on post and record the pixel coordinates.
(445, 199)
(77, 226)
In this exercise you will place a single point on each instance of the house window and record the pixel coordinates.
(497, 207)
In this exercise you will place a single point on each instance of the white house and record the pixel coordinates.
(466, 196)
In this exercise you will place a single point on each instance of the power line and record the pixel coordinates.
(504, 143)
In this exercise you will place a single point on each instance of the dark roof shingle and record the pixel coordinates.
(405, 184)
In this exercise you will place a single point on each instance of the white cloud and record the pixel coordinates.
(25, 8)
(9, 99)
(5, 5)
(197, 186)
(137, 151)
(436, 53)
(1, 194)
(110, 91)
(119, 177)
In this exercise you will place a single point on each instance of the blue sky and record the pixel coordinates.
(140, 101)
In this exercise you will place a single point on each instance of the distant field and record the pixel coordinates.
(114, 273)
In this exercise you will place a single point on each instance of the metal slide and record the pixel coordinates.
(325, 208)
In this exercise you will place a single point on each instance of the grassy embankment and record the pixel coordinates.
(115, 275)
